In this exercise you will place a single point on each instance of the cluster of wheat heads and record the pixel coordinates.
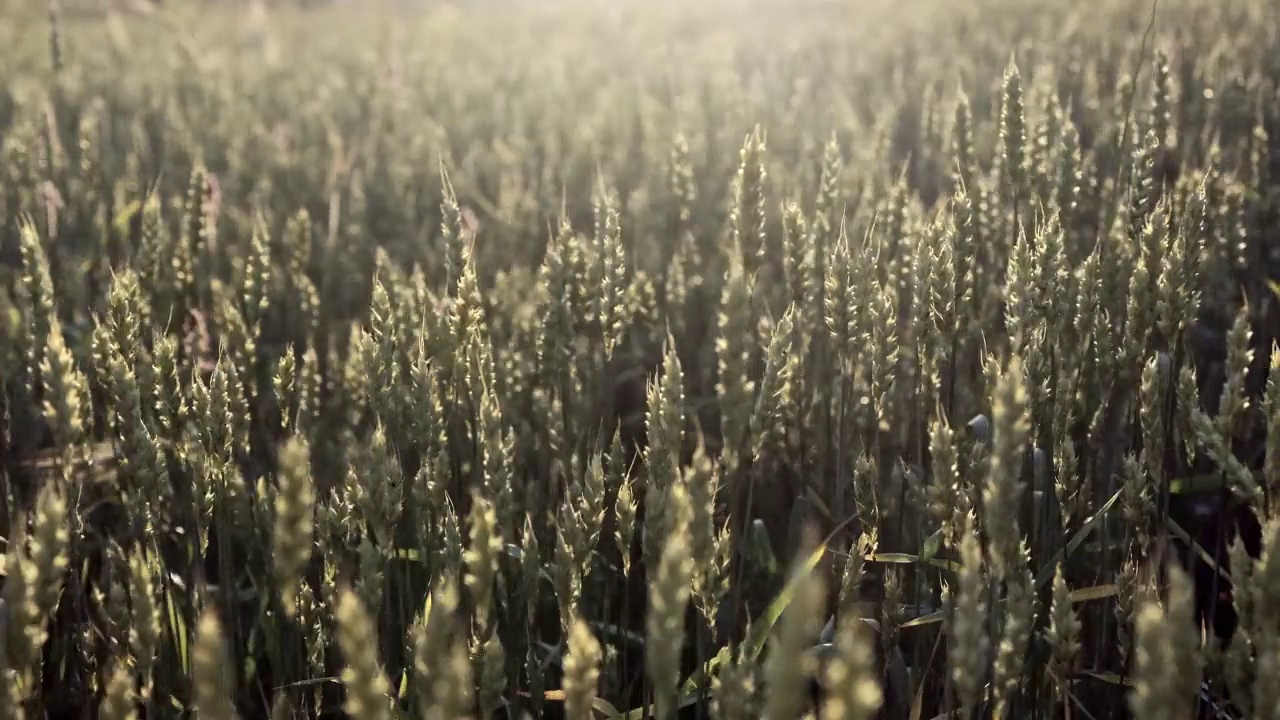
(616, 361)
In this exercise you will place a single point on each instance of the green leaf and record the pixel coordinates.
(1112, 678)
(178, 628)
(930, 619)
(932, 545)
(1275, 287)
(271, 624)
(917, 706)
(1097, 592)
(605, 708)
(759, 632)
(909, 559)
(600, 705)
(122, 219)
(1185, 537)
(1048, 569)
(705, 671)
(1195, 484)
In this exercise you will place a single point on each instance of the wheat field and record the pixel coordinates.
(741, 359)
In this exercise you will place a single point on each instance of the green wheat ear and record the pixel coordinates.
(582, 672)
(294, 523)
(212, 675)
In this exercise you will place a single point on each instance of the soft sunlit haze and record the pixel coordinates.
(640, 359)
